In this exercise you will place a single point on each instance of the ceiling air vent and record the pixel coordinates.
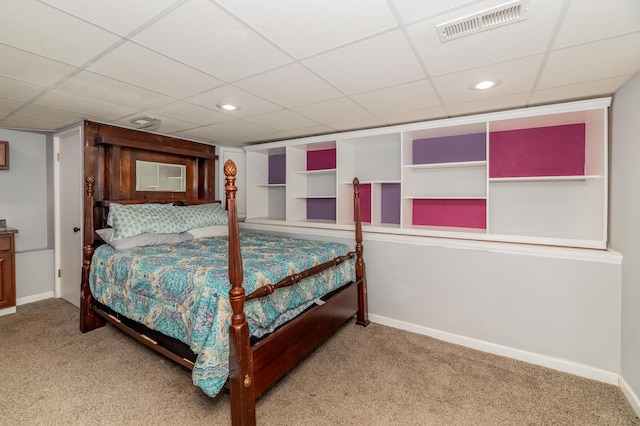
(488, 19)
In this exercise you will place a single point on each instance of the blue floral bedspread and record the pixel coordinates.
(182, 290)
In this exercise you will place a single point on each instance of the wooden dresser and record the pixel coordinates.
(7, 268)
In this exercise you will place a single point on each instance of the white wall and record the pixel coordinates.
(625, 226)
(554, 307)
(26, 204)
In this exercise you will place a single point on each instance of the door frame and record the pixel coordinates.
(56, 199)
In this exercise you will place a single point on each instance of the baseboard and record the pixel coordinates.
(7, 311)
(34, 298)
(630, 395)
(558, 364)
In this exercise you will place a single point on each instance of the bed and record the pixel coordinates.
(236, 323)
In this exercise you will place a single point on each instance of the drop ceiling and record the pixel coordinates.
(298, 67)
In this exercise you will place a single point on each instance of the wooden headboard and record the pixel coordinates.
(110, 155)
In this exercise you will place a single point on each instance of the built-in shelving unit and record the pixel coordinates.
(536, 175)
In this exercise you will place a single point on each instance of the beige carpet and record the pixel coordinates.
(52, 374)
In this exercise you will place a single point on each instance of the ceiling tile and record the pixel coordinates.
(412, 10)
(515, 76)
(208, 134)
(333, 111)
(54, 114)
(416, 115)
(110, 90)
(318, 26)
(248, 104)
(347, 124)
(398, 99)
(488, 47)
(19, 90)
(30, 68)
(606, 58)
(388, 54)
(31, 123)
(142, 67)
(227, 50)
(88, 107)
(587, 89)
(584, 21)
(283, 120)
(191, 113)
(27, 24)
(108, 14)
(289, 86)
(8, 105)
(517, 100)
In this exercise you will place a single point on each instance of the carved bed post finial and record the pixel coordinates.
(362, 317)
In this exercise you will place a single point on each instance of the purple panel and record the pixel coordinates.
(450, 149)
(321, 159)
(277, 169)
(321, 208)
(390, 200)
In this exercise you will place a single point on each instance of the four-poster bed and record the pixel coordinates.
(254, 364)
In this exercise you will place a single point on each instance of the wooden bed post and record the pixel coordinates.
(243, 405)
(89, 320)
(361, 277)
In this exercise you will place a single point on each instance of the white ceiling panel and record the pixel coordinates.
(137, 65)
(297, 68)
(191, 113)
(114, 91)
(318, 26)
(109, 15)
(398, 99)
(333, 111)
(283, 120)
(380, 61)
(584, 21)
(7, 105)
(517, 76)
(248, 105)
(41, 29)
(91, 108)
(24, 66)
(20, 90)
(290, 86)
(588, 89)
(495, 45)
(615, 57)
(227, 49)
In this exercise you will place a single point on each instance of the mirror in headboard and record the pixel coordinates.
(117, 157)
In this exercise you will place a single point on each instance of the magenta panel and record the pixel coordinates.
(544, 151)
(446, 212)
(321, 159)
(365, 203)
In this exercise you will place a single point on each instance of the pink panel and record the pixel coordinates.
(446, 212)
(544, 151)
(365, 203)
(321, 159)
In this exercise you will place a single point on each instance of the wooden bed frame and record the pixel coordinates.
(253, 366)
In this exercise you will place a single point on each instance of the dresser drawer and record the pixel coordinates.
(5, 243)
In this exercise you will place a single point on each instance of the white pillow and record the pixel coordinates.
(142, 240)
(209, 231)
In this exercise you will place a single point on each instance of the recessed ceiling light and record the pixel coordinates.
(227, 107)
(484, 85)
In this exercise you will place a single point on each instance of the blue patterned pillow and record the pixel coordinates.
(202, 215)
(135, 219)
